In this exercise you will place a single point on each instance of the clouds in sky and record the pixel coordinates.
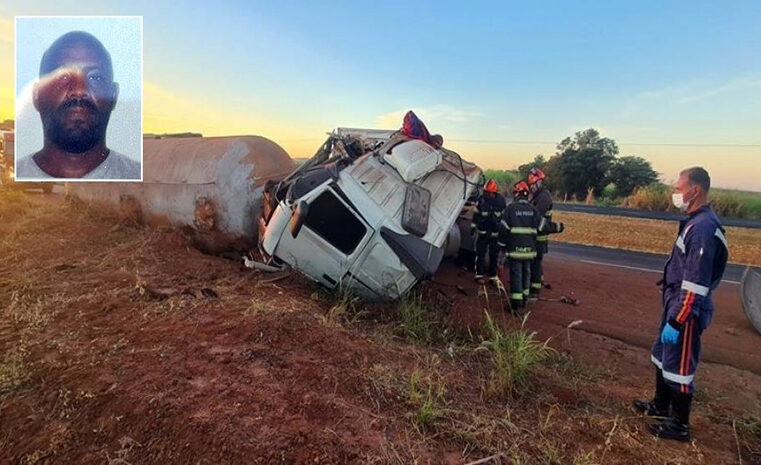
(441, 115)
(695, 91)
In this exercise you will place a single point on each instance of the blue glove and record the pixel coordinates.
(669, 335)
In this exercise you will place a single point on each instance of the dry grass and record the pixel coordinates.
(12, 203)
(13, 372)
(648, 235)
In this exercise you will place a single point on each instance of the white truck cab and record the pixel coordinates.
(372, 211)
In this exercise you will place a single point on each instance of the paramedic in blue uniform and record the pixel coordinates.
(691, 274)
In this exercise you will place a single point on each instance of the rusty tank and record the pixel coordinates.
(210, 186)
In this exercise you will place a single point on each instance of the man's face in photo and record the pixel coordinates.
(76, 92)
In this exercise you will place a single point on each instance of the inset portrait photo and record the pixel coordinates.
(79, 98)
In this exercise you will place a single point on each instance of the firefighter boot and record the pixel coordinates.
(516, 305)
(659, 406)
(676, 427)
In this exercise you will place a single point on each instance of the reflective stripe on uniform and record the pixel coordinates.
(482, 232)
(548, 214)
(516, 296)
(680, 243)
(495, 234)
(542, 238)
(523, 230)
(536, 285)
(498, 214)
(525, 291)
(501, 244)
(696, 288)
(522, 254)
(673, 377)
(721, 237)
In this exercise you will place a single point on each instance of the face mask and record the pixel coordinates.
(678, 200)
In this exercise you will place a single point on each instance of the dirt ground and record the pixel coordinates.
(122, 344)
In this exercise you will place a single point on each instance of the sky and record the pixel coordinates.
(678, 83)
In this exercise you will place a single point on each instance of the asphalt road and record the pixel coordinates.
(652, 215)
(626, 259)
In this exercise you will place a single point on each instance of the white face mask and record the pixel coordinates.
(678, 200)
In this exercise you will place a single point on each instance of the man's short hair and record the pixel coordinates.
(51, 57)
(698, 176)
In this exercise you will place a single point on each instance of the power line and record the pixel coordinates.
(544, 142)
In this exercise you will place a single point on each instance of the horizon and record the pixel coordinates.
(678, 86)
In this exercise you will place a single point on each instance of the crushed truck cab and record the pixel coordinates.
(373, 212)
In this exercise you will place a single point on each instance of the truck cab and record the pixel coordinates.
(374, 211)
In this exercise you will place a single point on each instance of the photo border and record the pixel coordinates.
(15, 107)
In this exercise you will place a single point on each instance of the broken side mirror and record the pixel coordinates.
(298, 217)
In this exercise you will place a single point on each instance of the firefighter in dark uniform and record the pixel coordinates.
(520, 226)
(486, 220)
(541, 198)
(692, 273)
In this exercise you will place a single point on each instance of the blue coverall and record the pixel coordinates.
(692, 272)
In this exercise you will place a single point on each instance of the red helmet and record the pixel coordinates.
(534, 175)
(521, 188)
(491, 186)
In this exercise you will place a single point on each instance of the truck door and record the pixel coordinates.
(332, 237)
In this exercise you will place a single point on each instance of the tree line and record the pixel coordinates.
(586, 162)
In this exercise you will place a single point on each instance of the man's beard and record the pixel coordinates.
(80, 136)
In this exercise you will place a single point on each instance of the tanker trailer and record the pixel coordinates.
(210, 186)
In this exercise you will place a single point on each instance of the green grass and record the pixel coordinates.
(342, 305)
(415, 325)
(504, 179)
(738, 204)
(422, 391)
(426, 394)
(515, 354)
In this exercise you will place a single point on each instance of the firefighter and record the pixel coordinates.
(541, 198)
(486, 219)
(691, 274)
(520, 226)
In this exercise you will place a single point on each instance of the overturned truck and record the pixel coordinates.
(373, 212)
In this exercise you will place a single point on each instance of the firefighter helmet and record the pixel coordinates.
(534, 175)
(520, 188)
(491, 186)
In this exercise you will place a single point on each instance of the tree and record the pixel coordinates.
(631, 172)
(589, 138)
(582, 162)
(539, 161)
